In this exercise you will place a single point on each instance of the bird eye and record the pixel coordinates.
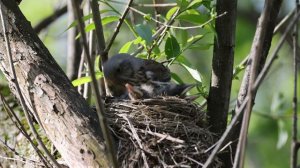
(118, 69)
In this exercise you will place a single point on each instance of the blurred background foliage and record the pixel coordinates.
(270, 128)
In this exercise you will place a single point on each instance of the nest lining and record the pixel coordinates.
(160, 132)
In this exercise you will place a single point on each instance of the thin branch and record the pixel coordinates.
(295, 144)
(257, 55)
(117, 29)
(157, 5)
(226, 135)
(232, 126)
(21, 128)
(178, 27)
(274, 54)
(20, 95)
(22, 159)
(99, 102)
(73, 49)
(50, 19)
(100, 40)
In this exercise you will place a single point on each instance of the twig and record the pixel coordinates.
(178, 27)
(226, 134)
(295, 144)
(117, 29)
(20, 95)
(50, 19)
(230, 127)
(21, 128)
(156, 5)
(163, 136)
(99, 102)
(24, 160)
(136, 136)
(100, 40)
(274, 54)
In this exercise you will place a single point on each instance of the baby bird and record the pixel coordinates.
(150, 90)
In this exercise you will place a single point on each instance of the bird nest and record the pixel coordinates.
(160, 132)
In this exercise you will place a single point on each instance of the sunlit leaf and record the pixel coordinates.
(195, 74)
(200, 46)
(125, 48)
(171, 12)
(193, 18)
(86, 79)
(195, 38)
(282, 134)
(145, 32)
(195, 4)
(97, 63)
(108, 19)
(172, 48)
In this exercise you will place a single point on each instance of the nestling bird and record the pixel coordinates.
(124, 68)
(154, 89)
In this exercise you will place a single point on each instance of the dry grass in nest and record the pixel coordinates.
(160, 132)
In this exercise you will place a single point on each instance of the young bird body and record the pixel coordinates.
(130, 77)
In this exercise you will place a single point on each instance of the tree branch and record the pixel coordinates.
(111, 153)
(66, 117)
(50, 19)
(222, 66)
(260, 48)
(295, 144)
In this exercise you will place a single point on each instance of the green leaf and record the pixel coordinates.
(84, 18)
(176, 78)
(97, 63)
(195, 4)
(182, 3)
(145, 32)
(195, 74)
(195, 38)
(86, 79)
(108, 19)
(172, 48)
(89, 27)
(181, 59)
(183, 37)
(282, 134)
(171, 12)
(125, 48)
(138, 40)
(193, 18)
(200, 46)
(237, 70)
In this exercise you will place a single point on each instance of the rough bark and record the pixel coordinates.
(222, 66)
(66, 117)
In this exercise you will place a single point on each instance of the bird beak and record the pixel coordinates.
(132, 80)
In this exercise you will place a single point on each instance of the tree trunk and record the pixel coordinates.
(222, 66)
(66, 117)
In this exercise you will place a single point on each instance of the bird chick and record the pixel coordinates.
(154, 89)
(124, 68)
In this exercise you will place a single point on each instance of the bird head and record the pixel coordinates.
(118, 69)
